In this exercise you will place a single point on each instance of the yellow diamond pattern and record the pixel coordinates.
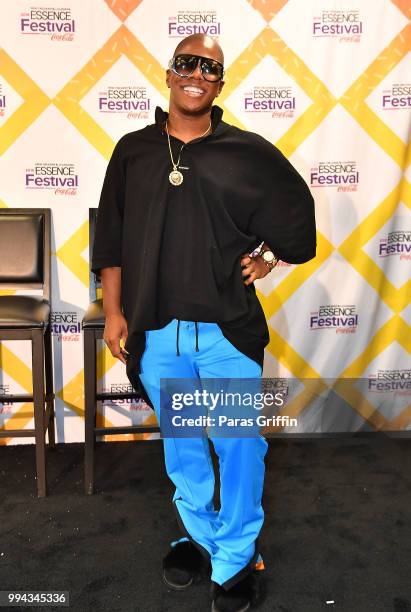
(268, 42)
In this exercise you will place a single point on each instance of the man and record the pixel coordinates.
(185, 201)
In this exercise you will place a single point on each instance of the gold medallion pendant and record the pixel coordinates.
(175, 177)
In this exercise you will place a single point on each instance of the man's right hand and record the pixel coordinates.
(115, 330)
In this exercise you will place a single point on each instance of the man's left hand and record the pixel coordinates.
(253, 268)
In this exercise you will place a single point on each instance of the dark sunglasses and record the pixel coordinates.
(184, 65)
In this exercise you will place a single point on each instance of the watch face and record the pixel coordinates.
(268, 256)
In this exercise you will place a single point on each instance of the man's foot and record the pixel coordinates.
(239, 598)
(183, 566)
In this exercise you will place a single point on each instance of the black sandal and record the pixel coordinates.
(183, 566)
(239, 598)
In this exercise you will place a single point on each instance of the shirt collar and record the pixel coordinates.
(216, 114)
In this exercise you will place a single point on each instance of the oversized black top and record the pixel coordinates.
(179, 247)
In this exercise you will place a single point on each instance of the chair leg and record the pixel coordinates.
(90, 374)
(48, 353)
(39, 413)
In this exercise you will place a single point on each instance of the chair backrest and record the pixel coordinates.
(95, 280)
(25, 249)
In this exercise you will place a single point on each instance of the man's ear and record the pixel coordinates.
(168, 74)
(221, 85)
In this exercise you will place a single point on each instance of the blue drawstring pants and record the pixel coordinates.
(228, 537)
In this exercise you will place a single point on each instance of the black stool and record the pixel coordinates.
(25, 264)
(93, 329)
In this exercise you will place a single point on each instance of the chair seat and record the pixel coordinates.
(23, 311)
(94, 315)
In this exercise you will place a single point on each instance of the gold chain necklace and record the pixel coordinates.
(176, 177)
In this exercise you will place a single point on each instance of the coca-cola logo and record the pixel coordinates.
(198, 21)
(345, 25)
(134, 102)
(60, 177)
(276, 100)
(55, 22)
(343, 175)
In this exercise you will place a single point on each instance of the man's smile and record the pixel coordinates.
(193, 91)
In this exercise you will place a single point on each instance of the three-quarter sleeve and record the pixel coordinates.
(109, 224)
(284, 217)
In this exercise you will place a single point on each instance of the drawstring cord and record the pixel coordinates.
(196, 324)
(178, 335)
(178, 332)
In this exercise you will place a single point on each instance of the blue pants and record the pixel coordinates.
(228, 537)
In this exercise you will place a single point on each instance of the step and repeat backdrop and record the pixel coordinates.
(326, 81)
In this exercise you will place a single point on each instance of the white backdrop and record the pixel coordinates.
(326, 81)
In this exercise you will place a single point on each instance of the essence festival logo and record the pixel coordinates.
(345, 25)
(194, 22)
(276, 386)
(61, 178)
(135, 404)
(65, 326)
(344, 176)
(131, 101)
(279, 101)
(396, 98)
(397, 381)
(5, 406)
(54, 22)
(344, 319)
(2, 102)
(396, 243)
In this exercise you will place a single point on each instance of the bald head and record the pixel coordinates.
(201, 44)
(195, 103)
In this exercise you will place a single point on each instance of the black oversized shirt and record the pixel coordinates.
(179, 247)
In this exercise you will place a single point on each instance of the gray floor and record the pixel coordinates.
(337, 527)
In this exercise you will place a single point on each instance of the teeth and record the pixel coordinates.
(193, 90)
